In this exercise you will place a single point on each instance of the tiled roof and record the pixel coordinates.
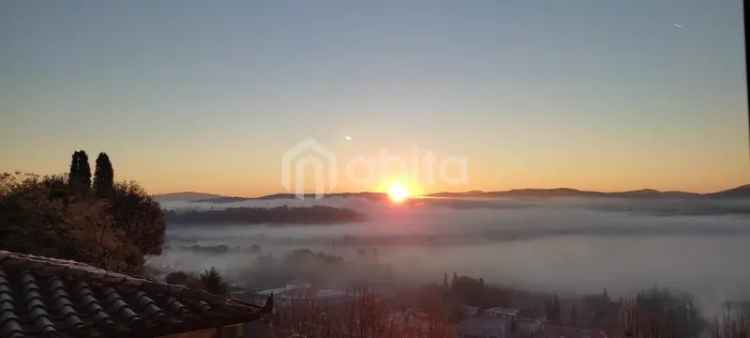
(47, 297)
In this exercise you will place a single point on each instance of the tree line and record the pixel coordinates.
(79, 177)
(317, 214)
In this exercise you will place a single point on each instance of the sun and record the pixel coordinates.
(398, 193)
(399, 189)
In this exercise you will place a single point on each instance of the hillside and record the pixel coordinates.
(184, 196)
(277, 215)
(739, 192)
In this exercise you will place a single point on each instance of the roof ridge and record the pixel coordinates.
(63, 263)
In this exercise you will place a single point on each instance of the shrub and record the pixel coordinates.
(213, 282)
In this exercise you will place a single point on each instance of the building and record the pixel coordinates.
(529, 327)
(498, 322)
(288, 289)
(485, 327)
(301, 292)
(410, 318)
(469, 311)
(502, 312)
(47, 297)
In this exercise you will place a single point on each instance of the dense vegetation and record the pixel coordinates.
(662, 313)
(112, 225)
(283, 214)
(210, 280)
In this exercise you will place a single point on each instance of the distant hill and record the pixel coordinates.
(651, 193)
(184, 196)
(537, 193)
(225, 199)
(363, 194)
(199, 197)
(739, 192)
(280, 215)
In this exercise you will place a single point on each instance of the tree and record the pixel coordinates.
(661, 313)
(42, 218)
(472, 291)
(103, 177)
(139, 217)
(91, 237)
(213, 282)
(75, 169)
(553, 309)
(50, 216)
(573, 315)
(32, 219)
(183, 278)
(79, 177)
(734, 321)
(177, 277)
(85, 171)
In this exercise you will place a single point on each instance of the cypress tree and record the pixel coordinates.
(74, 170)
(79, 177)
(85, 172)
(103, 176)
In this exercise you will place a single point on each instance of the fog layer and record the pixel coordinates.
(560, 245)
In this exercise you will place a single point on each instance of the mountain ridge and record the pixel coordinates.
(742, 191)
(185, 196)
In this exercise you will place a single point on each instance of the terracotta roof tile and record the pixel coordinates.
(47, 297)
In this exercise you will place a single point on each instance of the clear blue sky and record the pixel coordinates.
(200, 95)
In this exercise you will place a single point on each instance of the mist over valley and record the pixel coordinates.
(569, 245)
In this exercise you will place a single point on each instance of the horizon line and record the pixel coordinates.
(455, 192)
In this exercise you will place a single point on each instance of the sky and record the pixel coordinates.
(209, 96)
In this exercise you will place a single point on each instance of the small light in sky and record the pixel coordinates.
(348, 138)
(678, 26)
